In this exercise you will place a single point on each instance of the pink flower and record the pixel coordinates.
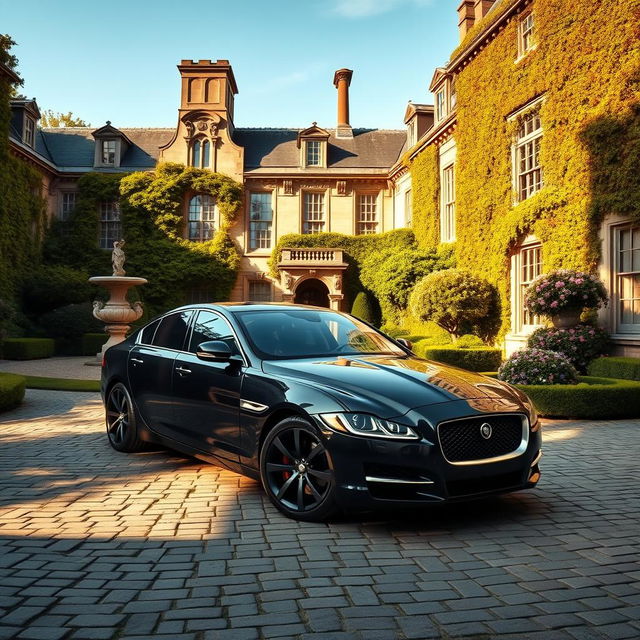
(559, 284)
(554, 304)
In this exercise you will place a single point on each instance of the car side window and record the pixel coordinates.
(211, 326)
(146, 336)
(172, 331)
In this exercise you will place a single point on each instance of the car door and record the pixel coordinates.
(150, 369)
(207, 394)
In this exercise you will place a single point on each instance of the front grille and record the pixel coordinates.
(462, 441)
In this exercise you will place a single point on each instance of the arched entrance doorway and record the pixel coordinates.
(312, 291)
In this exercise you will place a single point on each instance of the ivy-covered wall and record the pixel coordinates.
(152, 206)
(586, 64)
(22, 209)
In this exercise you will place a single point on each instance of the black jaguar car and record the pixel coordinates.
(324, 409)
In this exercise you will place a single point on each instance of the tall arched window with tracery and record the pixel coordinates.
(200, 153)
(201, 218)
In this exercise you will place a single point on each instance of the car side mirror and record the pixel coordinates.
(214, 350)
(405, 343)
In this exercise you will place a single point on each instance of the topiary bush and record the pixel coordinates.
(580, 344)
(27, 348)
(454, 299)
(591, 398)
(472, 359)
(616, 367)
(53, 286)
(11, 390)
(469, 341)
(537, 366)
(70, 322)
(366, 308)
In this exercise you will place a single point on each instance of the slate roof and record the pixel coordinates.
(277, 149)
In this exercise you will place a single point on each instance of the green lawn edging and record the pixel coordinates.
(11, 390)
(61, 384)
(27, 348)
(615, 367)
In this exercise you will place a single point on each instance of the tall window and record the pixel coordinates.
(526, 266)
(313, 214)
(200, 154)
(260, 219)
(627, 278)
(201, 218)
(314, 153)
(110, 225)
(528, 176)
(67, 205)
(448, 205)
(441, 103)
(367, 218)
(259, 291)
(29, 131)
(526, 39)
(453, 96)
(408, 207)
(109, 152)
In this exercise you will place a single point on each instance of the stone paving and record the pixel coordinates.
(64, 367)
(96, 544)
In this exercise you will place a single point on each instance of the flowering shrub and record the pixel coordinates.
(538, 366)
(563, 289)
(580, 344)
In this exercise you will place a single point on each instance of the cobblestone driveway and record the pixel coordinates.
(96, 544)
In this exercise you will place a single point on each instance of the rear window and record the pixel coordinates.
(146, 335)
(172, 331)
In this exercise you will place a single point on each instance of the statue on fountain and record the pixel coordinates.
(118, 258)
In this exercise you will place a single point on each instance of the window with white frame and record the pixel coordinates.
(313, 213)
(314, 153)
(67, 205)
(411, 133)
(453, 96)
(259, 291)
(626, 278)
(29, 137)
(109, 152)
(448, 205)
(441, 104)
(527, 266)
(260, 220)
(201, 218)
(367, 215)
(528, 173)
(110, 225)
(526, 34)
(200, 154)
(408, 207)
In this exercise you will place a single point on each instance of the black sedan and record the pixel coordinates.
(325, 410)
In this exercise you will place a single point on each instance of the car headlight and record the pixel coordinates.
(363, 424)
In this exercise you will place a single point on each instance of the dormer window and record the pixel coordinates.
(29, 136)
(312, 143)
(441, 103)
(109, 152)
(314, 153)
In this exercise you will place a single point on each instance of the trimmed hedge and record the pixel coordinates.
(27, 348)
(616, 367)
(475, 359)
(592, 398)
(11, 390)
(92, 343)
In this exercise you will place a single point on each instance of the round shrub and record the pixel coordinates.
(453, 299)
(580, 344)
(537, 366)
(70, 321)
(52, 286)
(365, 308)
(469, 341)
(11, 390)
(563, 290)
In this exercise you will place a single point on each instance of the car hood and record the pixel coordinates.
(391, 386)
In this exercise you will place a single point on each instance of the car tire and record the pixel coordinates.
(120, 419)
(297, 472)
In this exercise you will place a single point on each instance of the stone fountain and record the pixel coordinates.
(117, 313)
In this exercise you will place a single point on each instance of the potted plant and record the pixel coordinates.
(562, 295)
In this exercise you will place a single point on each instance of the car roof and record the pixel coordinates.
(234, 307)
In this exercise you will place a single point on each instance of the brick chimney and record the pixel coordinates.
(481, 8)
(466, 16)
(342, 80)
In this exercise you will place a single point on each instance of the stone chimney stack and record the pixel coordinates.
(481, 8)
(342, 80)
(466, 17)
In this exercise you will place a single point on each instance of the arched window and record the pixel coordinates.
(205, 154)
(195, 154)
(200, 153)
(201, 218)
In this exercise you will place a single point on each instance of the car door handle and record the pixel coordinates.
(137, 360)
(183, 371)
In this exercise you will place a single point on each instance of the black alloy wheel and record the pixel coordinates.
(121, 420)
(296, 471)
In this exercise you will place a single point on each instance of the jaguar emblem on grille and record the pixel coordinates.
(486, 430)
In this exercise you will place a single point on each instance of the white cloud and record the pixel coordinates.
(366, 8)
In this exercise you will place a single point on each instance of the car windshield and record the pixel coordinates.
(309, 333)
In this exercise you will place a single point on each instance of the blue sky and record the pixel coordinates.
(117, 60)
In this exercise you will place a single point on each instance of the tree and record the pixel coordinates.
(51, 118)
(9, 60)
